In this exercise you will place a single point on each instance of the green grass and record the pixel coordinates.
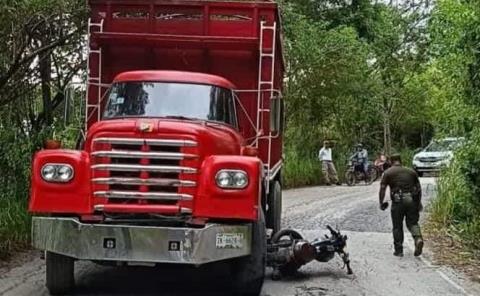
(14, 226)
(14, 190)
(300, 171)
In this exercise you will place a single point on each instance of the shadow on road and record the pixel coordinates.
(166, 280)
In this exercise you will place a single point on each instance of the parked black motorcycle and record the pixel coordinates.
(288, 251)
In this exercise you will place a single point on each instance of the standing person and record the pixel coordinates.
(406, 196)
(328, 167)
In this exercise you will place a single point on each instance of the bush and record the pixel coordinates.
(458, 202)
(14, 225)
(301, 171)
(15, 162)
(407, 156)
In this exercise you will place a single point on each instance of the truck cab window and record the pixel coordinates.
(159, 99)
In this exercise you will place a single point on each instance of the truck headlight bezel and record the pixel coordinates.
(57, 172)
(231, 179)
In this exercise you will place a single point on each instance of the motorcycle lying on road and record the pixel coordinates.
(288, 251)
(354, 173)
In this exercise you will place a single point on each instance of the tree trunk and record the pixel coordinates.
(387, 139)
(45, 77)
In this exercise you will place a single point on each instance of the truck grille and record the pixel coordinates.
(137, 171)
(429, 159)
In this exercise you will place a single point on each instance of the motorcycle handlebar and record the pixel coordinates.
(332, 231)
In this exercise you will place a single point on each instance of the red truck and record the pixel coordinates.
(181, 157)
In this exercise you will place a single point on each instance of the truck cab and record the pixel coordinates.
(180, 158)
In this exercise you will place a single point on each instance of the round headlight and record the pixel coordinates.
(231, 179)
(224, 179)
(65, 173)
(240, 180)
(48, 172)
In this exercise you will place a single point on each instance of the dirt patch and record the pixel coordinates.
(17, 259)
(448, 249)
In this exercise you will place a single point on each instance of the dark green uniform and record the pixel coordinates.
(405, 192)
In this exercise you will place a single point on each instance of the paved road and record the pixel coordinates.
(352, 209)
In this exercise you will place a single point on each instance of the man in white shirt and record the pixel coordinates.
(328, 167)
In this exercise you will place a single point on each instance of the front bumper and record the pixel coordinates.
(101, 242)
(426, 169)
(429, 166)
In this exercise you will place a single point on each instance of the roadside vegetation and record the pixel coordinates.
(453, 77)
(40, 52)
(353, 77)
(392, 77)
(389, 76)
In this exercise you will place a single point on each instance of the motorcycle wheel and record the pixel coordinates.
(373, 174)
(350, 178)
(287, 235)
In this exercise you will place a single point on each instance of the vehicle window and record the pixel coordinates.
(156, 99)
(443, 145)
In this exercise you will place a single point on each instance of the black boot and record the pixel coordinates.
(418, 247)
(398, 253)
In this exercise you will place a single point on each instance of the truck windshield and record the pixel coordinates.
(171, 100)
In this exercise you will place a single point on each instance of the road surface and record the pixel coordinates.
(352, 209)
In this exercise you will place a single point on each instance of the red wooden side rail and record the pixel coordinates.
(197, 18)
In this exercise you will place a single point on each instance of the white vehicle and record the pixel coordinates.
(437, 155)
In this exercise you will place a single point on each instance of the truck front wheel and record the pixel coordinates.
(60, 273)
(249, 272)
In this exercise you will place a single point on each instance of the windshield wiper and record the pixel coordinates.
(207, 122)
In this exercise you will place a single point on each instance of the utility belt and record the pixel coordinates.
(399, 196)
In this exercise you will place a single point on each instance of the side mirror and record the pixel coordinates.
(417, 150)
(276, 111)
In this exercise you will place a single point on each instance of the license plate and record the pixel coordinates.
(229, 241)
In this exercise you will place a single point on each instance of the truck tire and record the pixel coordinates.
(274, 212)
(60, 274)
(248, 272)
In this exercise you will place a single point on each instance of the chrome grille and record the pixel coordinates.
(143, 171)
(143, 195)
(143, 168)
(429, 159)
(149, 142)
(139, 155)
(139, 181)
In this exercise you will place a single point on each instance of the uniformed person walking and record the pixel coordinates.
(406, 197)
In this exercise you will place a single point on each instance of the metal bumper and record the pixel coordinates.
(129, 243)
(429, 167)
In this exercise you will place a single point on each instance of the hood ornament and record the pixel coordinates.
(145, 127)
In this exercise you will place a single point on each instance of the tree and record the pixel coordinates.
(41, 52)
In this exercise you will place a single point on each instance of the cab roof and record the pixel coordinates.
(174, 76)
